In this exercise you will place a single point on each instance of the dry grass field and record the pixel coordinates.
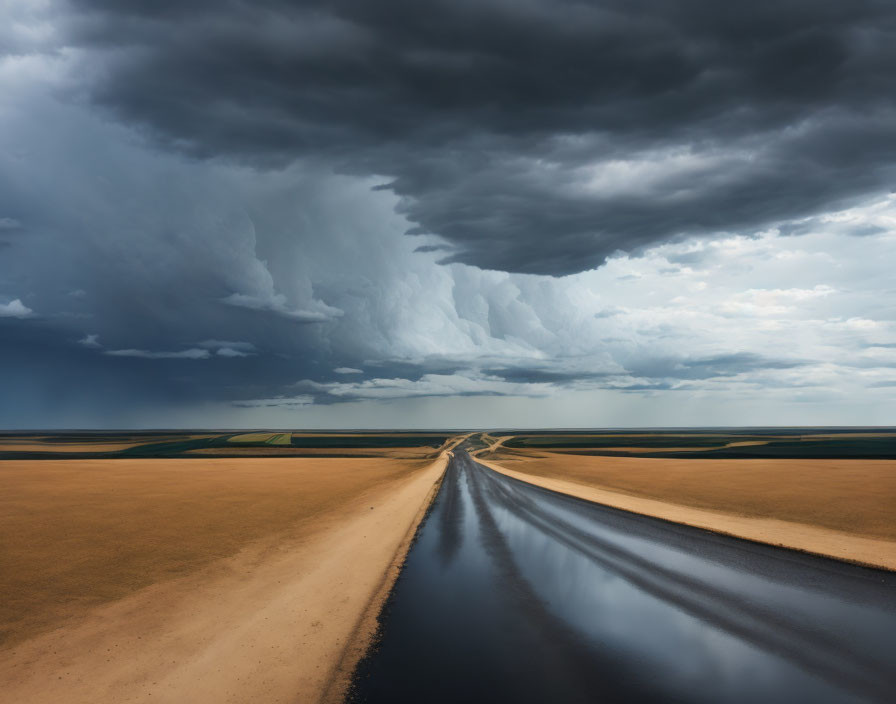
(77, 533)
(758, 443)
(58, 448)
(51, 444)
(172, 444)
(854, 496)
(840, 508)
(252, 437)
(201, 580)
(403, 453)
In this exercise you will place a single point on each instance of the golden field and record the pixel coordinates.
(855, 496)
(80, 532)
(165, 579)
(840, 508)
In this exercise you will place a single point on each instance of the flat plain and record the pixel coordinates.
(755, 486)
(160, 444)
(228, 566)
(109, 566)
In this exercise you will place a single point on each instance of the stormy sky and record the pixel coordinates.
(500, 213)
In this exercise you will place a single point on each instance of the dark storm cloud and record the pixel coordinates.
(670, 369)
(532, 136)
(703, 368)
(546, 376)
(686, 258)
(73, 383)
(423, 248)
(397, 380)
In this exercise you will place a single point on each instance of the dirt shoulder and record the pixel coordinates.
(836, 508)
(279, 617)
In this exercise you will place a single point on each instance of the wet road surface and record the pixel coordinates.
(513, 593)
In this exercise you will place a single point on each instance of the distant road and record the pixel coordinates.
(516, 593)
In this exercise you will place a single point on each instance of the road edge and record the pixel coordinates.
(364, 632)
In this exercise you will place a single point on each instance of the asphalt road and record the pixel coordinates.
(516, 593)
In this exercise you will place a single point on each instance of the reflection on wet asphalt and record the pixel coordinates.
(515, 593)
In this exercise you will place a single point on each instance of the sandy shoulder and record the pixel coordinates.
(797, 536)
(279, 622)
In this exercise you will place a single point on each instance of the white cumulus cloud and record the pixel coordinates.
(15, 309)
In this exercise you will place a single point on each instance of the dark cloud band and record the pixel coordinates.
(535, 137)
